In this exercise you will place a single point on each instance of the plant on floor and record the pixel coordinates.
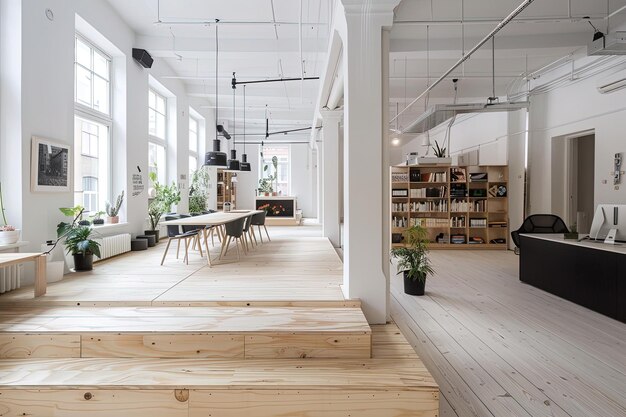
(199, 191)
(439, 152)
(413, 260)
(162, 202)
(113, 210)
(78, 240)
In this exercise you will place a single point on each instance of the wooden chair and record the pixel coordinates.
(174, 233)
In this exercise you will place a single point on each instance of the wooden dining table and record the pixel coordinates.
(216, 220)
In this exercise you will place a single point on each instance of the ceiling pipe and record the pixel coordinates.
(453, 22)
(465, 57)
(233, 22)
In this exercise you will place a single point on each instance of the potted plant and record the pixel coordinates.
(78, 240)
(162, 202)
(265, 186)
(275, 176)
(96, 218)
(114, 209)
(8, 234)
(573, 232)
(413, 260)
(198, 192)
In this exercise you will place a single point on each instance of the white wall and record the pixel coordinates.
(577, 107)
(38, 99)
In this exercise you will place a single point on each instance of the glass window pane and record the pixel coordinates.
(160, 104)
(160, 126)
(83, 53)
(193, 166)
(101, 65)
(151, 122)
(101, 95)
(83, 86)
(193, 141)
(151, 99)
(92, 172)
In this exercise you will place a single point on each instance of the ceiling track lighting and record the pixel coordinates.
(216, 158)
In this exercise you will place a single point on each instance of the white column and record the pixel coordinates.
(330, 130)
(365, 270)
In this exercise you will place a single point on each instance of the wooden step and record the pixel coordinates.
(395, 385)
(190, 332)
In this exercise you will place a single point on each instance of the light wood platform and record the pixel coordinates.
(291, 270)
(393, 384)
(499, 347)
(192, 332)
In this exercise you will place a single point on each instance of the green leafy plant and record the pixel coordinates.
(97, 215)
(275, 164)
(199, 190)
(439, 152)
(165, 196)
(77, 238)
(265, 184)
(114, 209)
(413, 258)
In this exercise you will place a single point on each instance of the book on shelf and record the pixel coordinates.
(476, 240)
(434, 177)
(478, 177)
(494, 223)
(435, 192)
(478, 222)
(457, 239)
(458, 175)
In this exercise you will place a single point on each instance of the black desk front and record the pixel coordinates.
(590, 274)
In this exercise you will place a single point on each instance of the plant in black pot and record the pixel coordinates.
(413, 260)
(165, 196)
(97, 218)
(78, 241)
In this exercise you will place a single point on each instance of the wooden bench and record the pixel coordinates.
(8, 259)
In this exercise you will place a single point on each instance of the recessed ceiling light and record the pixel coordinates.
(395, 141)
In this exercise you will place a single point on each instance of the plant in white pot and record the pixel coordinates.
(413, 260)
(8, 234)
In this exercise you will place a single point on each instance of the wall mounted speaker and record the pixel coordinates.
(143, 57)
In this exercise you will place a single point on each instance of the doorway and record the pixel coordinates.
(573, 173)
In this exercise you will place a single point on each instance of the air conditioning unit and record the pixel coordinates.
(612, 82)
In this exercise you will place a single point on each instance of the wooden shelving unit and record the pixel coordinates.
(461, 207)
(226, 188)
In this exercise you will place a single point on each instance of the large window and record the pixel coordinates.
(92, 166)
(92, 70)
(193, 146)
(157, 128)
(281, 152)
(92, 126)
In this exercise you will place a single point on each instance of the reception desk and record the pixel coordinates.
(281, 210)
(591, 274)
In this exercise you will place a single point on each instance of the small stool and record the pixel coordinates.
(138, 244)
(150, 238)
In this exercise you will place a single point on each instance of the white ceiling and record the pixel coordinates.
(546, 31)
(250, 44)
(426, 39)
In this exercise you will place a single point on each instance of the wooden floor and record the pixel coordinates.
(498, 347)
(305, 271)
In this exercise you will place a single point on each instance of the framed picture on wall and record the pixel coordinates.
(51, 164)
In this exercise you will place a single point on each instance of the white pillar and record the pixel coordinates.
(331, 120)
(365, 270)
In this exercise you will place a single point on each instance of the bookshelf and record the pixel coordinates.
(461, 207)
(226, 188)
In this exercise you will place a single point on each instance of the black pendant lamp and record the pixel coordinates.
(244, 165)
(233, 162)
(216, 158)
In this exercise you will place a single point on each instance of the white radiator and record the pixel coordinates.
(113, 245)
(10, 277)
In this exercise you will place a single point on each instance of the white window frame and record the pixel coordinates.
(82, 107)
(263, 174)
(155, 139)
(91, 115)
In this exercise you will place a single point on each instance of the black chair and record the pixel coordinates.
(539, 223)
(234, 230)
(174, 233)
(258, 220)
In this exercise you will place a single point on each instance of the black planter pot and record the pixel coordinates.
(84, 222)
(413, 286)
(98, 221)
(83, 262)
(154, 233)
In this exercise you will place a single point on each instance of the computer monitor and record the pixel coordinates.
(609, 223)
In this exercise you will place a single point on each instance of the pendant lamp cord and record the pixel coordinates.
(244, 118)
(217, 57)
